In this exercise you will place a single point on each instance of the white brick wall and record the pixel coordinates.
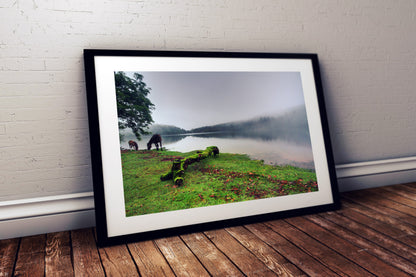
(366, 48)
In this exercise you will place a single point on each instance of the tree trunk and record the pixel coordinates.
(179, 166)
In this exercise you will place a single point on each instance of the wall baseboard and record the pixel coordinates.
(25, 217)
(363, 175)
(48, 205)
(41, 215)
(46, 224)
(375, 167)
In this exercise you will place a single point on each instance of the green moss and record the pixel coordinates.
(227, 178)
(177, 171)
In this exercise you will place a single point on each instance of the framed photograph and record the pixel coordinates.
(189, 141)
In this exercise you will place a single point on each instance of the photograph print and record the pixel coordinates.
(186, 141)
(195, 139)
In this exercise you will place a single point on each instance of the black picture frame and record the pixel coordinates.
(112, 223)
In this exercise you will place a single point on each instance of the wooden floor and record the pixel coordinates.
(373, 234)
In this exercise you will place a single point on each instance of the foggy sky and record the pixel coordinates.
(195, 99)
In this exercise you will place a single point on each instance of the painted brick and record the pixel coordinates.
(366, 49)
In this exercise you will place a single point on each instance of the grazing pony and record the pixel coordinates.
(133, 145)
(156, 139)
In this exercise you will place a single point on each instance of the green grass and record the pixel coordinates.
(217, 180)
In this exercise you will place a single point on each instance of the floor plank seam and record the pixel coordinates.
(367, 250)
(195, 255)
(327, 245)
(16, 256)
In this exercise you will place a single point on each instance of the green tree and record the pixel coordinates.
(133, 107)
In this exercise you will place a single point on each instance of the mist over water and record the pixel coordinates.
(281, 140)
(272, 151)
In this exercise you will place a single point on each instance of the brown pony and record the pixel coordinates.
(133, 145)
(156, 139)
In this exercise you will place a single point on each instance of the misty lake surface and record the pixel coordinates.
(271, 151)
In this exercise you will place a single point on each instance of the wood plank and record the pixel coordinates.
(394, 196)
(117, 261)
(393, 245)
(407, 188)
(338, 263)
(31, 256)
(413, 185)
(213, 260)
(149, 259)
(382, 227)
(369, 202)
(383, 201)
(402, 190)
(304, 261)
(365, 245)
(407, 228)
(181, 259)
(270, 257)
(238, 254)
(374, 233)
(345, 248)
(58, 255)
(86, 258)
(8, 253)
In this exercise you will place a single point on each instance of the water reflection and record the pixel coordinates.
(280, 151)
(293, 137)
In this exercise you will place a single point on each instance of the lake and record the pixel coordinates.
(272, 151)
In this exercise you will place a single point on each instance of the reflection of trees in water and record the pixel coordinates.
(169, 139)
(295, 136)
(299, 137)
(284, 142)
(275, 151)
(291, 127)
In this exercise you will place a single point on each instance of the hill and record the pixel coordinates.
(291, 125)
(166, 130)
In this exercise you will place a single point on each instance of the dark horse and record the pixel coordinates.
(133, 145)
(156, 139)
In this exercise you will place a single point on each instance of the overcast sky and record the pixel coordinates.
(195, 99)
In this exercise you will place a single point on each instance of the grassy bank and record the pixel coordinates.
(224, 179)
